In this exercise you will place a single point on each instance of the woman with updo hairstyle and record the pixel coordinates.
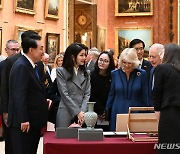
(129, 87)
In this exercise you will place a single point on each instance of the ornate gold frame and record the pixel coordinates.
(1, 4)
(71, 30)
(55, 38)
(123, 36)
(101, 38)
(0, 40)
(51, 16)
(25, 10)
(20, 29)
(129, 12)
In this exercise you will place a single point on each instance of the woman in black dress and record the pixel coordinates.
(100, 86)
(166, 96)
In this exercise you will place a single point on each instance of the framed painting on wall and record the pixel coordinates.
(52, 45)
(133, 7)
(125, 35)
(1, 1)
(20, 29)
(101, 38)
(52, 9)
(0, 40)
(25, 6)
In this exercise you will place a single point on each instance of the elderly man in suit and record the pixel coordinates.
(156, 54)
(28, 108)
(139, 45)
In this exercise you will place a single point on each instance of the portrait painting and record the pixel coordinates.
(52, 45)
(125, 35)
(52, 9)
(133, 7)
(25, 6)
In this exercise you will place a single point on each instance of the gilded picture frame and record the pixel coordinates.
(101, 38)
(0, 40)
(133, 7)
(25, 6)
(1, 4)
(20, 29)
(52, 9)
(125, 35)
(52, 45)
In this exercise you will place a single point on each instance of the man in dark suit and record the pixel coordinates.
(5, 93)
(139, 45)
(12, 48)
(28, 108)
(156, 54)
(44, 70)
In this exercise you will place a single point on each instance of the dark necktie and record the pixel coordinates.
(36, 71)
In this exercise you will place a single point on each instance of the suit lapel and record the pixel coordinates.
(32, 71)
(144, 66)
(78, 79)
(81, 77)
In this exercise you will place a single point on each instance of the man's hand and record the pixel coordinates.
(5, 118)
(25, 126)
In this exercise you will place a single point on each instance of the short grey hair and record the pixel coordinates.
(158, 48)
(130, 55)
(11, 41)
(94, 52)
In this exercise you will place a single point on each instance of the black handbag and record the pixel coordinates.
(53, 112)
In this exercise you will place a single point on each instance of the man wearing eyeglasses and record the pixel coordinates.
(12, 48)
(139, 45)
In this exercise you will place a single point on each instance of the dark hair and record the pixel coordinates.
(172, 55)
(111, 63)
(30, 42)
(73, 50)
(111, 51)
(27, 33)
(136, 41)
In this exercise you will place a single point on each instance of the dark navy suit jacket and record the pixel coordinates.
(146, 65)
(27, 100)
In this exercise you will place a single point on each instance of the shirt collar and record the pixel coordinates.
(141, 61)
(29, 59)
(76, 70)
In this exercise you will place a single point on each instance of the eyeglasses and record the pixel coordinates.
(13, 49)
(103, 60)
(141, 48)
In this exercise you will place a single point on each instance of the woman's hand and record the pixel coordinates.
(102, 116)
(80, 118)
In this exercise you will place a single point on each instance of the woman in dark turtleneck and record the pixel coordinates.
(100, 85)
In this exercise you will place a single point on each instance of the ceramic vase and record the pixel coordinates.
(90, 117)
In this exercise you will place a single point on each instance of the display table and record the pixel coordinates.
(109, 145)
